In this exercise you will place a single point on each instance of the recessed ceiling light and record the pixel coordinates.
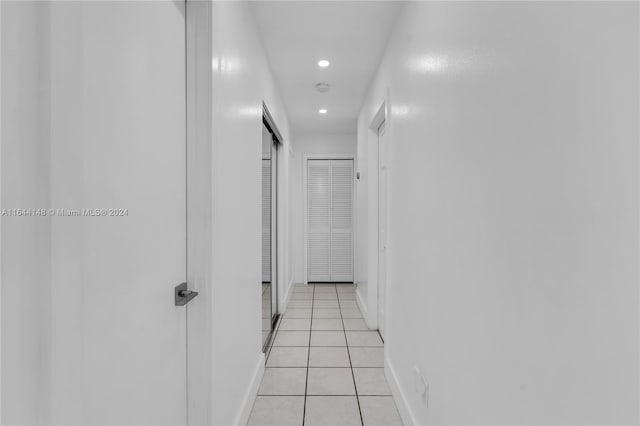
(322, 111)
(323, 63)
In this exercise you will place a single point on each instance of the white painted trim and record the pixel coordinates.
(305, 171)
(272, 123)
(281, 221)
(282, 307)
(399, 394)
(290, 264)
(361, 304)
(0, 221)
(252, 391)
(381, 116)
(198, 16)
(281, 199)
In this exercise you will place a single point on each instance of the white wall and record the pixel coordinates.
(513, 274)
(310, 144)
(68, 279)
(47, 135)
(51, 157)
(78, 110)
(225, 357)
(25, 240)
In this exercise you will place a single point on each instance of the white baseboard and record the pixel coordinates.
(284, 302)
(399, 395)
(361, 304)
(250, 396)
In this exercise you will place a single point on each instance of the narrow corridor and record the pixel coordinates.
(465, 174)
(324, 367)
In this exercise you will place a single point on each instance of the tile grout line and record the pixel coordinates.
(332, 347)
(306, 382)
(309, 346)
(353, 376)
(323, 395)
(373, 368)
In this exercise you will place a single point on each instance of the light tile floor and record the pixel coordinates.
(325, 367)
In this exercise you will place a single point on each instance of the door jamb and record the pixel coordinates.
(269, 122)
(380, 117)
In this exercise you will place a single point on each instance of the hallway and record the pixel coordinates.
(374, 213)
(324, 366)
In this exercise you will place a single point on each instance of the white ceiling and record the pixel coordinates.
(350, 34)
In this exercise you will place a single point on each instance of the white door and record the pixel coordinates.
(318, 221)
(382, 230)
(134, 337)
(342, 220)
(330, 220)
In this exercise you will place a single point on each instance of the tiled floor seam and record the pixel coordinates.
(325, 296)
(353, 377)
(306, 384)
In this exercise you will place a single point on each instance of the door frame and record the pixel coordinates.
(200, 133)
(382, 159)
(381, 116)
(277, 237)
(305, 194)
(281, 207)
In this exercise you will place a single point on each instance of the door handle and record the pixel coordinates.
(182, 295)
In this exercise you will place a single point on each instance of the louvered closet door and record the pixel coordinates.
(342, 220)
(318, 221)
(266, 221)
(330, 220)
